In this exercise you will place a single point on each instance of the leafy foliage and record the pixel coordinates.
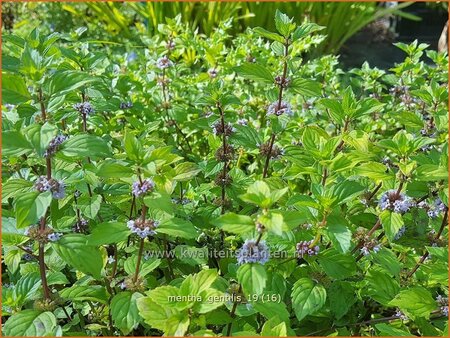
(211, 186)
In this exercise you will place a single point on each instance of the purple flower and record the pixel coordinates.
(213, 73)
(164, 62)
(85, 108)
(250, 252)
(401, 315)
(443, 304)
(57, 188)
(437, 208)
(285, 108)
(368, 247)
(132, 56)
(111, 259)
(304, 249)
(140, 189)
(400, 233)
(126, 105)
(143, 228)
(54, 145)
(397, 202)
(242, 122)
(53, 237)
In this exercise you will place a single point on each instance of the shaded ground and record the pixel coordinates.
(366, 45)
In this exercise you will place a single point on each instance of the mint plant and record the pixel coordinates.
(213, 185)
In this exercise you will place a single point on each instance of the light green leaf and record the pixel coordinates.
(75, 251)
(307, 298)
(124, 311)
(30, 323)
(108, 233)
(85, 145)
(252, 277)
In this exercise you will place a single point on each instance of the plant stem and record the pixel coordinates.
(280, 98)
(426, 254)
(141, 246)
(233, 312)
(373, 193)
(141, 250)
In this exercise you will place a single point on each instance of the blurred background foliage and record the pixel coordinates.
(130, 22)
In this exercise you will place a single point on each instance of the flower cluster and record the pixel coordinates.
(55, 236)
(54, 145)
(281, 81)
(141, 188)
(143, 228)
(443, 304)
(85, 108)
(367, 244)
(242, 122)
(223, 179)
(275, 152)
(225, 154)
(164, 62)
(126, 105)
(397, 202)
(182, 201)
(252, 252)
(283, 108)
(437, 208)
(400, 233)
(213, 73)
(170, 45)
(304, 248)
(57, 188)
(399, 314)
(80, 226)
(226, 129)
(42, 235)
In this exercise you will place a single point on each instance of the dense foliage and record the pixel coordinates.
(202, 187)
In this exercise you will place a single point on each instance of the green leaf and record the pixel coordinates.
(382, 287)
(30, 323)
(387, 330)
(234, 223)
(272, 309)
(255, 72)
(252, 277)
(306, 87)
(114, 169)
(14, 187)
(85, 145)
(90, 206)
(415, 302)
(75, 251)
(178, 227)
(431, 172)
(306, 29)
(108, 233)
(337, 265)
(283, 23)
(269, 35)
(133, 147)
(165, 296)
(339, 234)
(67, 81)
(14, 143)
(146, 266)
(342, 297)
(26, 287)
(154, 315)
(374, 170)
(391, 222)
(14, 89)
(41, 135)
(124, 311)
(274, 327)
(186, 171)
(307, 298)
(82, 293)
(30, 207)
(258, 193)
